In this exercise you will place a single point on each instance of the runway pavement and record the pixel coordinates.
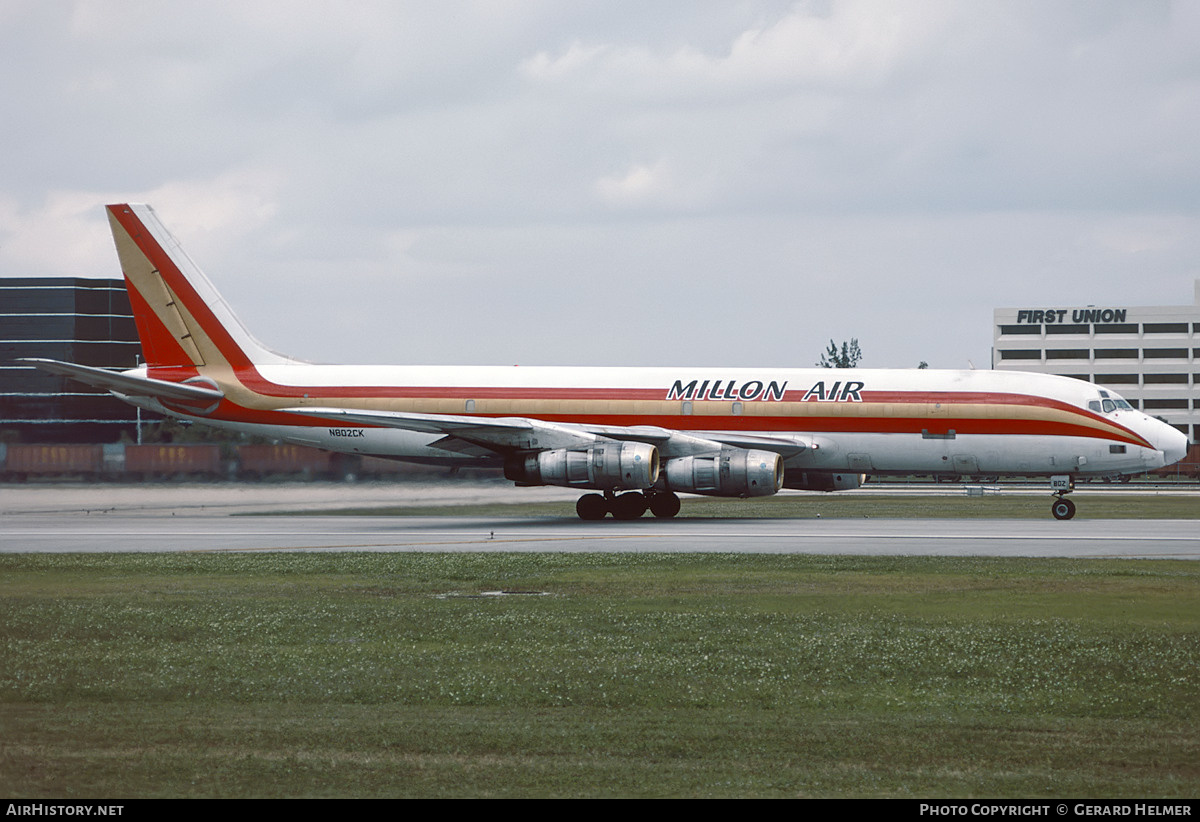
(1170, 539)
(196, 518)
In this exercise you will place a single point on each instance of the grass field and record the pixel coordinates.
(601, 675)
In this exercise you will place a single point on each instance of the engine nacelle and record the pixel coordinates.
(603, 466)
(733, 472)
(822, 481)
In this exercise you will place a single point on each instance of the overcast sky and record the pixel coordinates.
(642, 183)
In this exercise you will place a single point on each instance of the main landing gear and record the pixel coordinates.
(1062, 508)
(629, 505)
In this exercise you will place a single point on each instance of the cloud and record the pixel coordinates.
(810, 169)
(64, 237)
(641, 185)
(67, 233)
(842, 45)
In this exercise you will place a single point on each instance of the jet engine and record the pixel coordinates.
(603, 466)
(817, 481)
(733, 472)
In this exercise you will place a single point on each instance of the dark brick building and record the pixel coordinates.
(72, 319)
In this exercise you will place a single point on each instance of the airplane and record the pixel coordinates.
(633, 438)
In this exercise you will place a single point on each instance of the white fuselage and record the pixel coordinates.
(843, 420)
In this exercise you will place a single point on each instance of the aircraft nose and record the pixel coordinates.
(1173, 443)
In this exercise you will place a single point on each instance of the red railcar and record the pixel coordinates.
(53, 460)
(173, 460)
(268, 460)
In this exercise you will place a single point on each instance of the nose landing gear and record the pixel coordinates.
(1062, 508)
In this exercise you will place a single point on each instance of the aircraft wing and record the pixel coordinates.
(128, 384)
(503, 434)
(497, 434)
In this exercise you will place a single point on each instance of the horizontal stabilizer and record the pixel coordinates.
(125, 383)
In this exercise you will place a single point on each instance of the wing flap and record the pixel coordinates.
(782, 445)
(680, 444)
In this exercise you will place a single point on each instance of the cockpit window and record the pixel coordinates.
(1108, 405)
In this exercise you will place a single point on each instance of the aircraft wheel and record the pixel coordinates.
(591, 506)
(629, 506)
(664, 505)
(1063, 509)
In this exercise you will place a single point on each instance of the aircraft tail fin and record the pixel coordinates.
(182, 321)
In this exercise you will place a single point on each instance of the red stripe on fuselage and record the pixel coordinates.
(762, 425)
(751, 423)
(251, 378)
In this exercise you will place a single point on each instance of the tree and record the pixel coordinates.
(923, 364)
(848, 357)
